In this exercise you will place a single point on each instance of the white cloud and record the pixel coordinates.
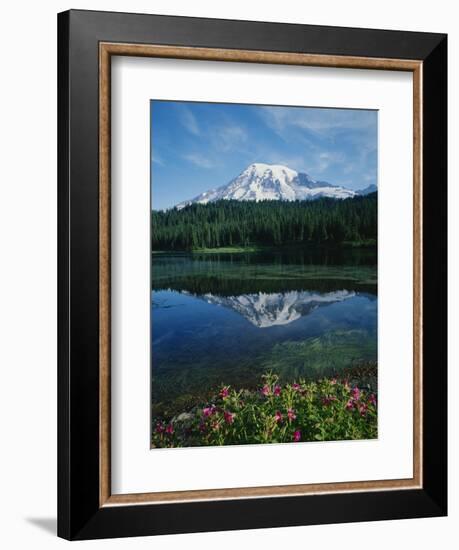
(199, 160)
(189, 121)
(317, 120)
(228, 137)
(371, 177)
(156, 159)
(327, 159)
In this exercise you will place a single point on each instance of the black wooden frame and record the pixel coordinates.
(79, 513)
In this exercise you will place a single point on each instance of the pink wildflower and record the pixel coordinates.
(277, 391)
(224, 392)
(295, 387)
(372, 400)
(278, 416)
(159, 428)
(297, 435)
(229, 417)
(350, 405)
(208, 411)
(355, 392)
(169, 429)
(291, 414)
(363, 408)
(266, 390)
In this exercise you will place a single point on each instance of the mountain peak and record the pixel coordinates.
(274, 169)
(260, 182)
(372, 188)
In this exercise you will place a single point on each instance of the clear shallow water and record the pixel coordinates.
(228, 318)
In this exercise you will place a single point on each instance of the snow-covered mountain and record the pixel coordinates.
(370, 189)
(280, 308)
(260, 182)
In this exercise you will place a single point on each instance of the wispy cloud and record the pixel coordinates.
(327, 159)
(370, 177)
(189, 121)
(317, 121)
(156, 159)
(228, 137)
(199, 160)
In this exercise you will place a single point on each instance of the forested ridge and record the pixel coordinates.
(267, 223)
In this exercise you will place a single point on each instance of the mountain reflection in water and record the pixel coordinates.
(267, 310)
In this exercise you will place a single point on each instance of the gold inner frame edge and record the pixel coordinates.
(106, 51)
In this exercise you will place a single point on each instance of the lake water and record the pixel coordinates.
(228, 318)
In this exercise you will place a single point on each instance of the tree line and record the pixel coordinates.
(268, 223)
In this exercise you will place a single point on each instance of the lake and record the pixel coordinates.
(228, 318)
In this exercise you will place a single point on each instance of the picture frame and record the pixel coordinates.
(87, 41)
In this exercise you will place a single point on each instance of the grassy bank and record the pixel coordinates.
(229, 250)
(326, 410)
(367, 243)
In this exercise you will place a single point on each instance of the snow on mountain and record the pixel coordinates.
(281, 308)
(260, 182)
(370, 189)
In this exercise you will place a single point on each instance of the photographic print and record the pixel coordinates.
(264, 301)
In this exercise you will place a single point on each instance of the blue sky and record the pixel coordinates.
(199, 146)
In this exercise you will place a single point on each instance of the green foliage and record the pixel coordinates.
(321, 355)
(326, 410)
(266, 223)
